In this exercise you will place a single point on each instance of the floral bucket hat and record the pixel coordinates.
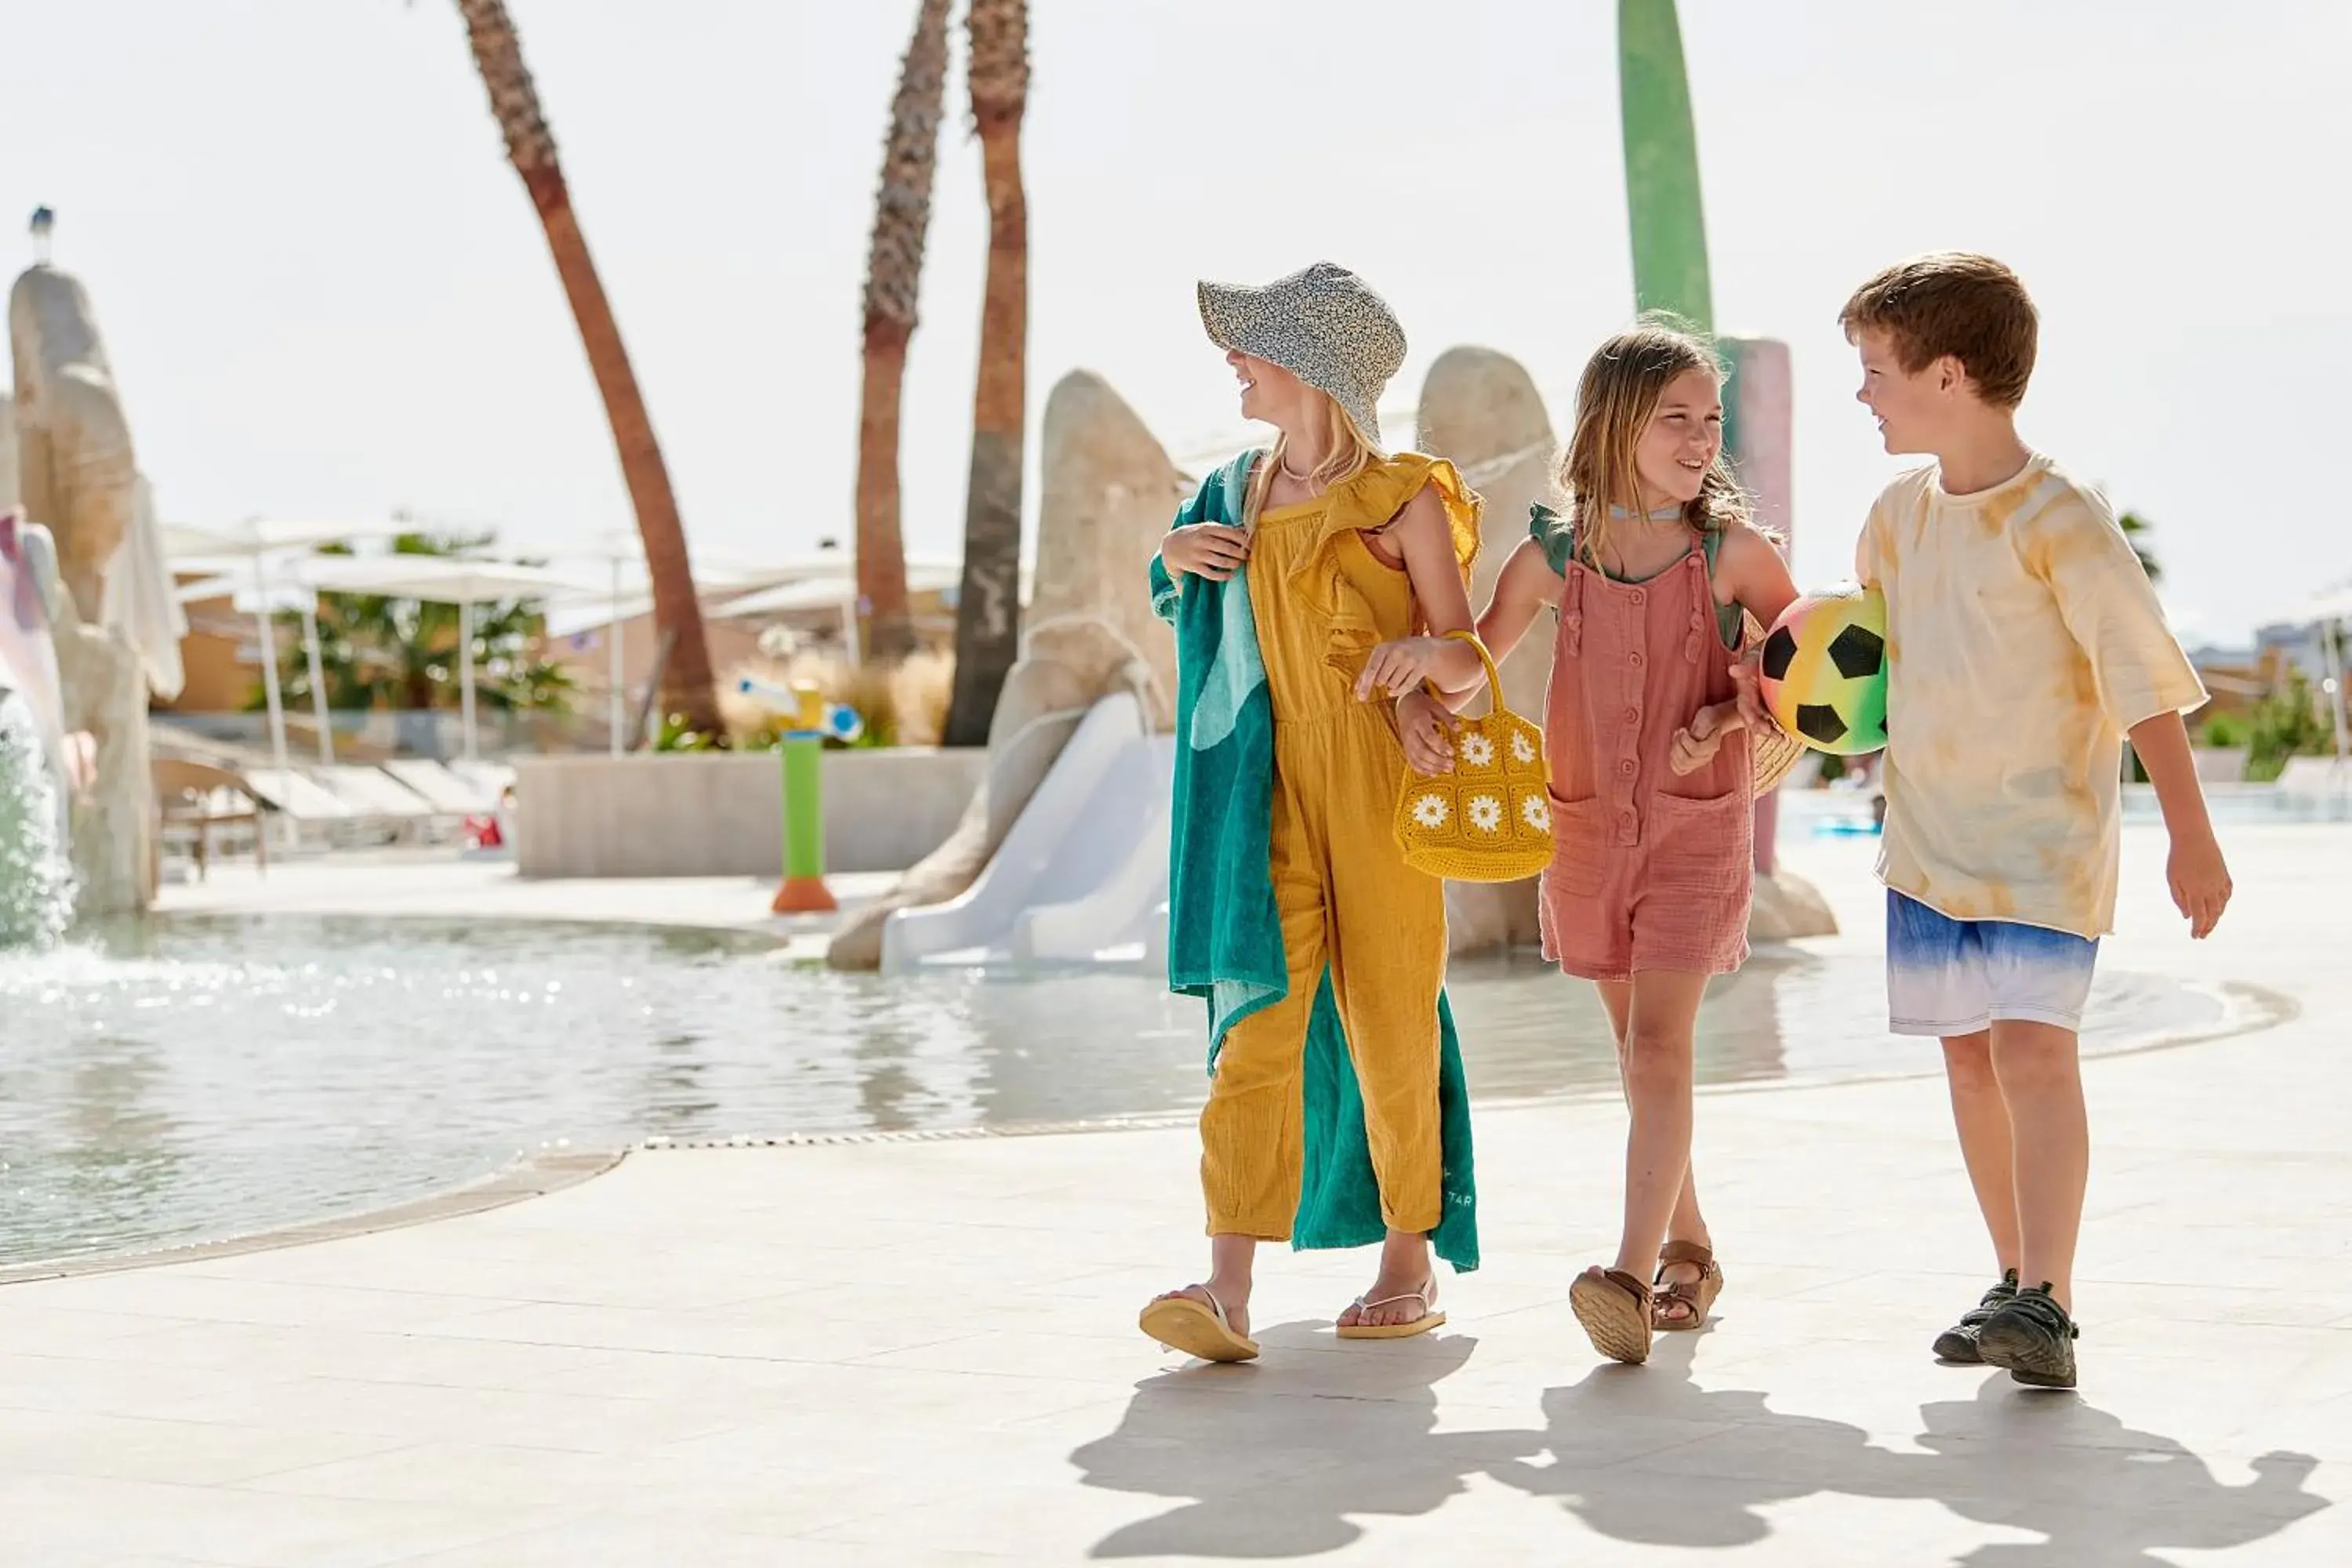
(1325, 325)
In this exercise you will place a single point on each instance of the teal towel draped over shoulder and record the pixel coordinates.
(1225, 934)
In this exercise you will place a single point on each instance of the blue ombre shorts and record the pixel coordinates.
(1951, 977)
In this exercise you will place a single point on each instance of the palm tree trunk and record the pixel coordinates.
(686, 688)
(987, 610)
(893, 270)
(881, 550)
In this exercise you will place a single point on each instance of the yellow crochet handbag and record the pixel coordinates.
(1490, 819)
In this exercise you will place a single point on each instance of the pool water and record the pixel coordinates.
(198, 1076)
(1846, 811)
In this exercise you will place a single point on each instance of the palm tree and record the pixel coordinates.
(531, 147)
(894, 271)
(988, 612)
(2137, 529)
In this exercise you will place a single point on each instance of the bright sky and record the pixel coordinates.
(326, 294)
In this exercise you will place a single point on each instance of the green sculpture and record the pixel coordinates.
(1662, 190)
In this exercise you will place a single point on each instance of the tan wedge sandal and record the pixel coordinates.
(1614, 1307)
(1683, 1306)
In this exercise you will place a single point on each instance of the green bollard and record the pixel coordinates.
(803, 891)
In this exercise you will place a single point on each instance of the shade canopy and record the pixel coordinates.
(263, 536)
(433, 579)
(2329, 604)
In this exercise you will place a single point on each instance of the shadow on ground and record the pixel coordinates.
(1282, 1460)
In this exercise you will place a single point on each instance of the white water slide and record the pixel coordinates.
(1081, 877)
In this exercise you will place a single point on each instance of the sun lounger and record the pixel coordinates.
(312, 811)
(447, 793)
(494, 777)
(377, 798)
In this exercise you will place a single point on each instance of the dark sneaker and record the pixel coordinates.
(2033, 1338)
(1958, 1342)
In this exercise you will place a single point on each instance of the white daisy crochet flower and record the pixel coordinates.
(1486, 813)
(1536, 811)
(1477, 751)
(1430, 810)
(1522, 749)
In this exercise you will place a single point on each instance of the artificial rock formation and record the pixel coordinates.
(1109, 489)
(76, 474)
(1481, 409)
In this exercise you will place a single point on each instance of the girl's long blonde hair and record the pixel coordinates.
(1347, 452)
(1615, 401)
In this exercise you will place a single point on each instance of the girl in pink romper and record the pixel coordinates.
(1651, 784)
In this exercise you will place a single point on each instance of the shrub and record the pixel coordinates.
(902, 706)
(2285, 723)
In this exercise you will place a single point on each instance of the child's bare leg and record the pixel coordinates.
(1983, 1120)
(1232, 1259)
(1686, 1224)
(2041, 1083)
(1660, 1021)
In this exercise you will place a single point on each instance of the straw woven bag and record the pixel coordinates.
(1488, 820)
(1772, 751)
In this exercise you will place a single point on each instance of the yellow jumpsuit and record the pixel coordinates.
(1322, 601)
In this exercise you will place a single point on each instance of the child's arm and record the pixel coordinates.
(1424, 535)
(2144, 682)
(1752, 568)
(2199, 877)
(1526, 585)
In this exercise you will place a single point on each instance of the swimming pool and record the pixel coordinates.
(193, 1077)
(1836, 813)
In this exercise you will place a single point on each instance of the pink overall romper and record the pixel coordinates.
(1650, 869)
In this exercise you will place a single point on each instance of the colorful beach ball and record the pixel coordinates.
(1824, 670)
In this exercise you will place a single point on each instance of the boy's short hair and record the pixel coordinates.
(1952, 302)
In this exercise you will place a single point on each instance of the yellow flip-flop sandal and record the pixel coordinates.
(1197, 1328)
(1428, 1319)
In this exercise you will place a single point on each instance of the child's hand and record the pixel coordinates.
(1750, 698)
(1696, 743)
(1398, 667)
(1207, 550)
(1427, 730)
(2201, 881)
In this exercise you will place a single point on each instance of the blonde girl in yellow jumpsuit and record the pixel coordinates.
(1348, 549)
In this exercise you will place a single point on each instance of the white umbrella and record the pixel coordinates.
(259, 535)
(824, 592)
(623, 556)
(2330, 604)
(630, 595)
(250, 543)
(263, 603)
(439, 580)
(830, 582)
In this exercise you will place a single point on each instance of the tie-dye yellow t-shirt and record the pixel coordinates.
(2024, 639)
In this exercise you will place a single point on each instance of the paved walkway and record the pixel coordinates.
(923, 1353)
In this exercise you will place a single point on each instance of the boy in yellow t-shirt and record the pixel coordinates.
(2024, 643)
